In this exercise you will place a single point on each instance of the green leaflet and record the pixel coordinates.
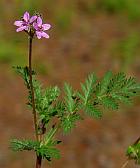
(48, 153)
(133, 152)
(102, 86)
(87, 97)
(17, 145)
(71, 102)
(119, 89)
(72, 105)
(109, 102)
(93, 111)
(44, 102)
(45, 151)
(69, 122)
(88, 88)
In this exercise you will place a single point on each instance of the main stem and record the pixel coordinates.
(38, 158)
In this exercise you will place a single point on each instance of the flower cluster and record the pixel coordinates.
(32, 25)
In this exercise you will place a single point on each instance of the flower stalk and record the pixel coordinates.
(38, 158)
(31, 86)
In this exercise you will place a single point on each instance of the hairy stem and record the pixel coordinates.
(38, 158)
(31, 87)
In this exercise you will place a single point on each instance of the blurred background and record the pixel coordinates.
(86, 36)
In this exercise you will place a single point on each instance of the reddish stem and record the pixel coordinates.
(38, 161)
(38, 158)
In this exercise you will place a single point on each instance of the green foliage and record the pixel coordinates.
(59, 108)
(122, 88)
(47, 147)
(24, 73)
(69, 121)
(72, 105)
(71, 102)
(110, 103)
(133, 152)
(118, 89)
(102, 87)
(45, 151)
(17, 145)
(43, 98)
(88, 88)
(46, 102)
(109, 92)
(87, 96)
(48, 152)
(55, 111)
(93, 111)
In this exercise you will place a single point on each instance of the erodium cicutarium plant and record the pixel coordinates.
(53, 112)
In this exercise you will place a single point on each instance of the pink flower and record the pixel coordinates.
(32, 25)
(26, 23)
(40, 28)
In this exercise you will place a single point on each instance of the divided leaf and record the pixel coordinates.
(93, 111)
(116, 89)
(102, 87)
(48, 153)
(69, 122)
(71, 102)
(45, 151)
(17, 145)
(88, 88)
(110, 103)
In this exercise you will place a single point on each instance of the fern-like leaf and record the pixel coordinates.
(70, 101)
(18, 145)
(69, 121)
(88, 88)
(93, 111)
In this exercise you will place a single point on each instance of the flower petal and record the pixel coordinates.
(26, 16)
(35, 25)
(46, 26)
(21, 28)
(38, 34)
(39, 21)
(18, 23)
(32, 19)
(27, 28)
(43, 34)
